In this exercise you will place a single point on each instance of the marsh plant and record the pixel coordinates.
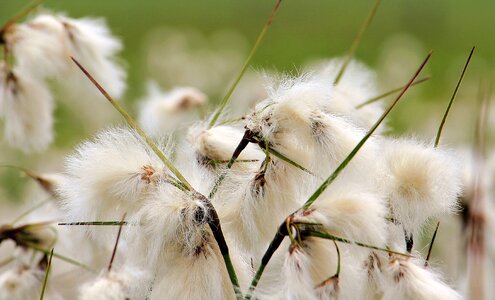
(303, 196)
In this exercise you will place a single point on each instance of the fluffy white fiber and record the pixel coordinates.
(26, 105)
(421, 182)
(109, 176)
(109, 286)
(408, 279)
(39, 46)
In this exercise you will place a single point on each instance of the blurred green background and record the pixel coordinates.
(400, 36)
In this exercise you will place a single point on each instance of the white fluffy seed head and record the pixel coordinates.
(170, 222)
(21, 283)
(109, 176)
(90, 41)
(163, 112)
(296, 270)
(421, 182)
(218, 144)
(27, 107)
(290, 103)
(39, 46)
(43, 47)
(110, 286)
(408, 279)
(351, 214)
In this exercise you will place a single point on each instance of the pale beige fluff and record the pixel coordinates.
(162, 112)
(109, 286)
(39, 46)
(43, 45)
(409, 279)
(421, 181)
(298, 284)
(27, 107)
(109, 176)
(21, 283)
(202, 275)
(90, 41)
(171, 221)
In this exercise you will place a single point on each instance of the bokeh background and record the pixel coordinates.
(192, 42)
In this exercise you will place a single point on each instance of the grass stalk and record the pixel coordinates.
(95, 223)
(324, 235)
(47, 272)
(114, 251)
(430, 248)
(440, 128)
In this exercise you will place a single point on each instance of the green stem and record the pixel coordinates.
(354, 151)
(338, 259)
(238, 150)
(431, 244)
(47, 272)
(227, 96)
(262, 144)
(95, 223)
(440, 128)
(277, 240)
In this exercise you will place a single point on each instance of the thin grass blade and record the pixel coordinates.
(440, 128)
